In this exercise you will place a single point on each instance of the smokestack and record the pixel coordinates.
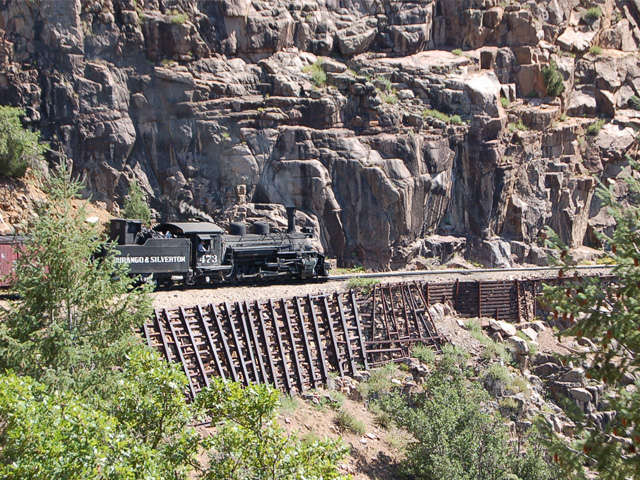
(291, 219)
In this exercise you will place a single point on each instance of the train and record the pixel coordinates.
(200, 253)
(194, 253)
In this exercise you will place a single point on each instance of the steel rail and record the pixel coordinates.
(416, 273)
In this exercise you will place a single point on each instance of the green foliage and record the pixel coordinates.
(379, 381)
(498, 378)
(381, 418)
(383, 83)
(492, 349)
(179, 18)
(423, 353)
(452, 119)
(595, 127)
(595, 50)
(593, 13)
(505, 102)
(457, 434)
(57, 435)
(363, 284)
(74, 323)
(136, 206)
(517, 126)
(318, 75)
(249, 444)
(634, 102)
(606, 313)
(150, 402)
(288, 404)
(19, 147)
(553, 79)
(390, 98)
(457, 51)
(348, 422)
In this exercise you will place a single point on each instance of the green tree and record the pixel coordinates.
(53, 435)
(457, 434)
(81, 397)
(249, 444)
(608, 313)
(75, 320)
(135, 206)
(19, 147)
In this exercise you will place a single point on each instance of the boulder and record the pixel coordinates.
(521, 346)
(581, 394)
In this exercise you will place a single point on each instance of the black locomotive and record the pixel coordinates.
(200, 252)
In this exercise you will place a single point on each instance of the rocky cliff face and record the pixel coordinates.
(385, 122)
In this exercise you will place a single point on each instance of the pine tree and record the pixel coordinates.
(608, 313)
(75, 319)
(135, 206)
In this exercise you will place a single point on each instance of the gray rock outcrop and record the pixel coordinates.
(359, 113)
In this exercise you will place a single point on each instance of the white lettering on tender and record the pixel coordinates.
(176, 259)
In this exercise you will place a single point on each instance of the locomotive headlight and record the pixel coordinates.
(207, 279)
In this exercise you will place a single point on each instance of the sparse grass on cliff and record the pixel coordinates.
(505, 102)
(178, 18)
(452, 119)
(593, 13)
(517, 126)
(634, 102)
(595, 50)
(349, 423)
(390, 98)
(595, 127)
(318, 75)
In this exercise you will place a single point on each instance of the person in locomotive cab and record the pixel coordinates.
(201, 247)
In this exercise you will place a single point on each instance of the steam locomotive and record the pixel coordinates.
(201, 253)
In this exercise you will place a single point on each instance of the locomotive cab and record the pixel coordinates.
(206, 243)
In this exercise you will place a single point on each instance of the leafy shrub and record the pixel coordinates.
(458, 435)
(457, 51)
(634, 102)
(593, 13)
(595, 127)
(595, 50)
(363, 284)
(553, 79)
(505, 102)
(349, 423)
(19, 147)
(250, 444)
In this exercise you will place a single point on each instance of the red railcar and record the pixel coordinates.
(10, 247)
